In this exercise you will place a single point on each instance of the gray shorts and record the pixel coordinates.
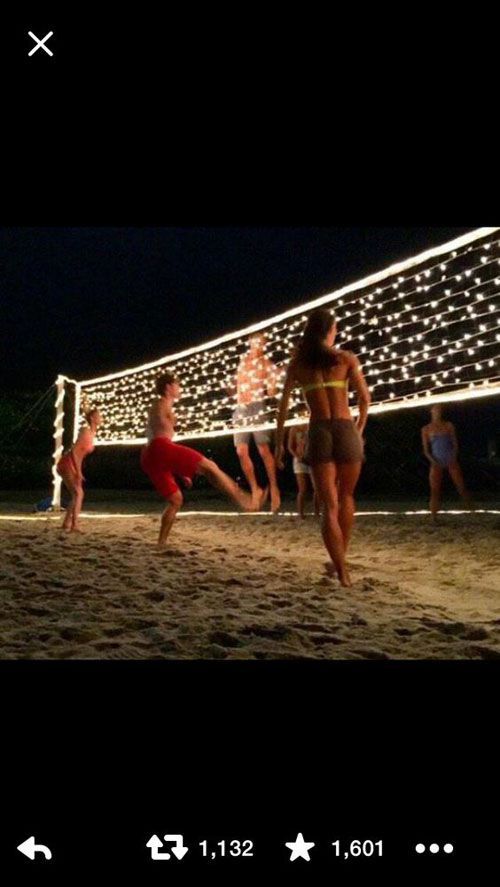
(247, 415)
(334, 440)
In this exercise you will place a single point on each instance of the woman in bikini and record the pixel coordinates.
(70, 468)
(440, 445)
(335, 444)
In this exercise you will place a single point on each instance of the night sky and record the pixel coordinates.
(87, 301)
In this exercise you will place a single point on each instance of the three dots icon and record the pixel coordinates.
(434, 848)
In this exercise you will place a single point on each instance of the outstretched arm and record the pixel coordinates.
(282, 414)
(358, 381)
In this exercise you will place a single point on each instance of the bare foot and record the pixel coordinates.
(76, 530)
(275, 500)
(344, 578)
(341, 575)
(257, 499)
(263, 498)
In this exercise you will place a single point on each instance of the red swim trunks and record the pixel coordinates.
(162, 458)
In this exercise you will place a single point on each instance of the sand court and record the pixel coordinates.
(249, 587)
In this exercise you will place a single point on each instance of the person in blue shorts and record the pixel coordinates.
(439, 441)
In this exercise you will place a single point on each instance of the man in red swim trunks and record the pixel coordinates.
(163, 461)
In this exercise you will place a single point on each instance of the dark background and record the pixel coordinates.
(89, 301)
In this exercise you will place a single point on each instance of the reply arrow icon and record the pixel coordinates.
(29, 849)
(179, 850)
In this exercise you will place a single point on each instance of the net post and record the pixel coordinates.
(76, 420)
(58, 443)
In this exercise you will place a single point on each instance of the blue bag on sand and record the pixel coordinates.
(46, 505)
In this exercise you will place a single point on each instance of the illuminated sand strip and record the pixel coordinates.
(183, 514)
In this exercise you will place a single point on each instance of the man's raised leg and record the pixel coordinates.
(227, 485)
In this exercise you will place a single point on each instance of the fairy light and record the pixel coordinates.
(416, 325)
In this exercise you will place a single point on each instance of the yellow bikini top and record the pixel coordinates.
(333, 383)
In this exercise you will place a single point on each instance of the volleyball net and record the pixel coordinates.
(425, 330)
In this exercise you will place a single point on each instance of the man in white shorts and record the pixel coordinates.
(256, 378)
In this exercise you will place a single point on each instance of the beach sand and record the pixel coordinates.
(249, 587)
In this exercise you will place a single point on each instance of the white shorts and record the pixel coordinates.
(300, 467)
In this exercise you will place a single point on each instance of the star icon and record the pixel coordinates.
(300, 848)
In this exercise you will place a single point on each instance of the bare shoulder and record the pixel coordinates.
(344, 355)
(85, 434)
(349, 358)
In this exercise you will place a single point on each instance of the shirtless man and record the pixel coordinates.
(162, 460)
(256, 377)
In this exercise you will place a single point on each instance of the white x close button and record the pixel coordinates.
(40, 44)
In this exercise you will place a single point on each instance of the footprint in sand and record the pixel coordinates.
(224, 639)
(366, 584)
(327, 581)
(483, 652)
(447, 628)
(357, 620)
(38, 611)
(308, 626)
(78, 634)
(170, 552)
(475, 634)
(139, 624)
(371, 654)
(321, 639)
(215, 651)
(275, 634)
(107, 645)
(155, 596)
